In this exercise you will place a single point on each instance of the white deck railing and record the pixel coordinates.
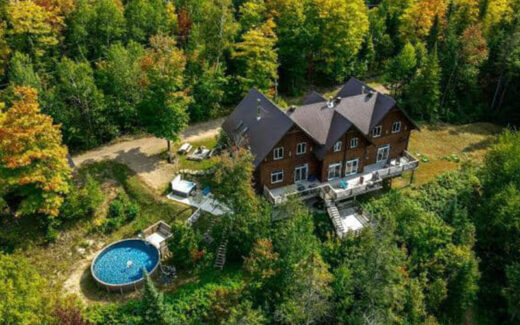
(335, 193)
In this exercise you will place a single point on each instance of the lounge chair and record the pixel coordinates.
(199, 154)
(185, 148)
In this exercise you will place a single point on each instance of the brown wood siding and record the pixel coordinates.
(366, 151)
(398, 141)
(290, 159)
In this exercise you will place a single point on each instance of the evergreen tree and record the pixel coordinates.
(154, 309)
(401, 68)
(422, 96)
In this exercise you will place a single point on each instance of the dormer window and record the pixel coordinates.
(301, 148)
(354, 143)
(278, 153)
(337, 146)
(396, 127)
(376, 132)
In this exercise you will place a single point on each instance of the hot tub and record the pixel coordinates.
(119, 266)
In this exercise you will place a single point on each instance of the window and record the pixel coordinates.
(351, 167)
(376, 132)
(278, 153)
(337, 146)
(277, 176)
(396, 127)
(301, 172)
(334, 171)
(382, 153)
(301, 148)
(354, 143)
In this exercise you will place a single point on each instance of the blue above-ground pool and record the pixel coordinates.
(119, 266)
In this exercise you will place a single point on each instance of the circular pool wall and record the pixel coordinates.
(119, 266)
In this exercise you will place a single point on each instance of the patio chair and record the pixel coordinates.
(343, 184)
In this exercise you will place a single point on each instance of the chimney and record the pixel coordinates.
(362, 89)
(258, 110)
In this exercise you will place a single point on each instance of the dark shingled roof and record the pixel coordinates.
(312, 98)
(354, 106)
(261, 134)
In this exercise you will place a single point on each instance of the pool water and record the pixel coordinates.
(123, 262)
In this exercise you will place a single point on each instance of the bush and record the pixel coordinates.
(184, 245)
(121, 210)
(84, 201)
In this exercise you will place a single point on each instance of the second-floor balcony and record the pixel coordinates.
(371, 179)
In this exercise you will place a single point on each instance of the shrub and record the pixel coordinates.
(121, 210)
(184, 245)
(83, 201)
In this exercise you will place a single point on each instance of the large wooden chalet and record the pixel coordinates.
(337, 148)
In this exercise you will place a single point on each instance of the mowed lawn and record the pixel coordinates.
(444, 147)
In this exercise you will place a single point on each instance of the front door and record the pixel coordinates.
(301, 172)
(383, 152)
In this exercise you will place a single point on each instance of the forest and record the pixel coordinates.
(101, 67)
(77, 74)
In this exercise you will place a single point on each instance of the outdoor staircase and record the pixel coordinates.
(334, 215)
(221, 254)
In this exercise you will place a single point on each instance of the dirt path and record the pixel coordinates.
(141, 154)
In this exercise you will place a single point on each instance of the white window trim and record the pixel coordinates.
(334, 166)
(398, 129)
(301, 144)
(377, 127)
(304, 166)
(354, 172)
(274, 153)
(338, 144)
(277, 172)
(381, 148)
(357, 142)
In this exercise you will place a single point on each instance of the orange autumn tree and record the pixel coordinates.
(34, 171)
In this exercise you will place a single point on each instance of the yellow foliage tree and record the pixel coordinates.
(32, 28)
(496, 12)
(4, 49)
(417, 20)
(34, 172)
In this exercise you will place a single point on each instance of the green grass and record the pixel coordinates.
(444, 147)
(55, 261)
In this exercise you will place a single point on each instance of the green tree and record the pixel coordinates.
(119, 77)
(163, 108)
(401, 68)
(422, 96)
(497, 221)
(258, 59)
(213, 35)
(21, 72)
(511, 291)
(248, 217)
(34, 169)
(23, 298)
(93, 26)
(207, 88)
(83, 201)
(145, 18)
(339, 29)
(155, 310)
(79, 106)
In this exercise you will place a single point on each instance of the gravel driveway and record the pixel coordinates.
(141, 154)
